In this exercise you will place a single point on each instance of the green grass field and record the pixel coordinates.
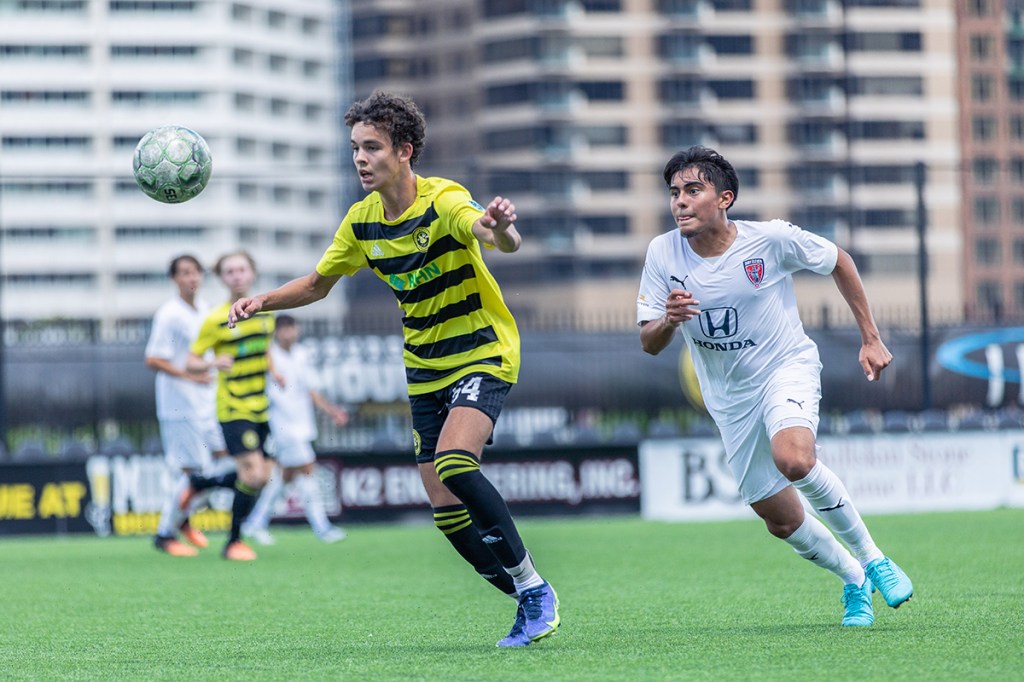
(640, 601)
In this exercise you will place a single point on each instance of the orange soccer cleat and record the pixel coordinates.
(194, 535)
(239, 551)
(174, 547)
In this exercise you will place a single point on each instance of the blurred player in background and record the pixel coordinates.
(728, 287)
(242, 359)
(184, 401)
(422, 236)
(293, 430)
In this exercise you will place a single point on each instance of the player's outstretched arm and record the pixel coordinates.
(497, 226)
(294, 294)
(874, 356)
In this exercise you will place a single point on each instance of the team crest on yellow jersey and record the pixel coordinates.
(416, 442)
(250, 440)
(421, 237)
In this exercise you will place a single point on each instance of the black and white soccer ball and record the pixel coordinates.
(172, 164)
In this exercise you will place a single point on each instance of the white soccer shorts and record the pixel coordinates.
(790, 398)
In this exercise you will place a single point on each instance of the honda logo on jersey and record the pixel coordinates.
(719, 323)
(754, 267)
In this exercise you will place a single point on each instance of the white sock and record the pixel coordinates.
(814, 542)
(170, 514)
(525, 575)
(829, 498)
(312, 503)
(259, 517)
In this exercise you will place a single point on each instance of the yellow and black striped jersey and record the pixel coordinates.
(242, 390)
(454, 317)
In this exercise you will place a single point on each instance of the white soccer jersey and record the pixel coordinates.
(749, 325)
(291, 407)
(175, 325)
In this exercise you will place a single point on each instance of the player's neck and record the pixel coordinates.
(286, 347)
(714, 242)
(398, 196)
(189, 297)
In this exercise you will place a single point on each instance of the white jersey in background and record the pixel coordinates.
(175, 325)
(749, 326)
(291, 408)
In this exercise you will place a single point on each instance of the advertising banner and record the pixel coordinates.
(688, 479)
(123, 495)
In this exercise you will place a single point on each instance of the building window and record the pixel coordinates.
(50, 233)
(276, 19)
(245, 146)
(47, 97)
(979, 8)
(310, 26)
(984, 170)
(147, 233)
(603, 91)
(155, 97)
(66, 6)
(731, 45)
(982, 47)
(989, 296)
(1018, 251)
(1017, 127)
(1017, 169)
(155, 6)
(78, 52)
(983, 88)
(276, 63)
(154, 51)
(887, 130)
(606, 224)
(1017, 211)
(884, 42)
(44, 143)
(986, 210)
(886, 86)
(983, 128)
(733, 89)
(986, 252)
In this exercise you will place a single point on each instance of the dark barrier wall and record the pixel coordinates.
(122, 494)
(572, 369)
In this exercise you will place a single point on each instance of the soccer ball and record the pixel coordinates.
(172, 164)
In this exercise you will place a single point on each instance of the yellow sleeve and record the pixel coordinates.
(456, 207)
(207, 338)
(343, 256)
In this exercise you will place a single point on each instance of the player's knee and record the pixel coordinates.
(781, 529)
(795, 465)
(456, 468)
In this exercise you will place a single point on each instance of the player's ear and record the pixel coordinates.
(405, 152)
(725, 198)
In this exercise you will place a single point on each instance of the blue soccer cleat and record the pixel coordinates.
(517, 635)
(540, 606)
(890, 580)
(857, 600)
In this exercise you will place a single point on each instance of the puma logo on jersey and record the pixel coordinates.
(798, 403)
(682, 282)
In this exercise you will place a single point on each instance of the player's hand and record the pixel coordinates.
(874, 357)
(278, 379)
(340, 416)
(499, 214)
(680, 307)
(243, 309)
(204, 378)
(223, 362)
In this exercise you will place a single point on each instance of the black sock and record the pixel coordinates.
(455, 523)
(245, 500)
(220, 481)
(460, 472)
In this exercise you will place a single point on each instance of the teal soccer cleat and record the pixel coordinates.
(540, 606)
(890, 580)
(517, 635)
(857, 600)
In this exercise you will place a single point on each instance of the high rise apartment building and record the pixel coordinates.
(572, 107)
(81, 82)
(990, 45)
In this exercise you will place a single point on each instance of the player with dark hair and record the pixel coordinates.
(422, 236)
(727, 285)
(242, 358)
(184, 401)
(293, 430)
